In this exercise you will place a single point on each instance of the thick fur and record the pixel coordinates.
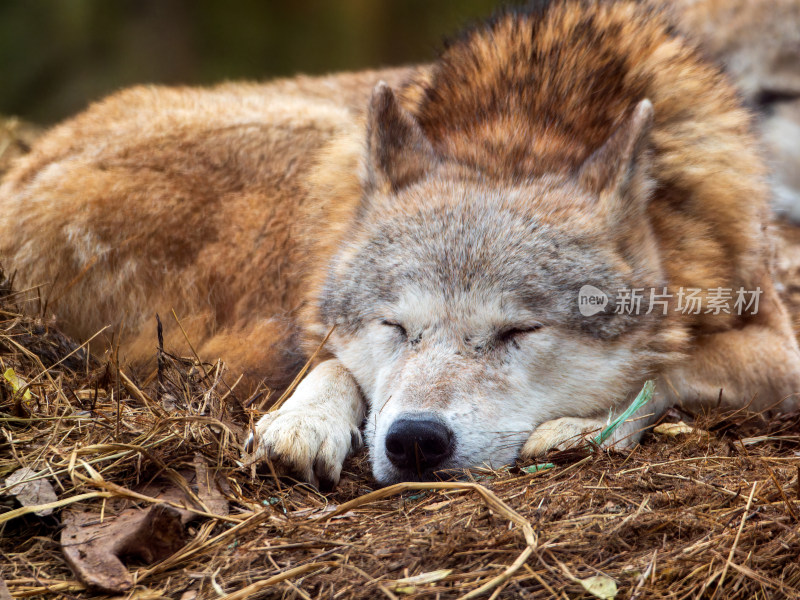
(180, 198)
(440, 223)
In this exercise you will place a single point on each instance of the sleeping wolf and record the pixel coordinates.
(503, 244)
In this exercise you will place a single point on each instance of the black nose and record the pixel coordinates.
(418, 444)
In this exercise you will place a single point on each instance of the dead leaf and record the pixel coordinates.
(207, 489)
(4, 593)
(600, 586)
(16, 383)
(31, 493)
(675, 429)
(96, 550)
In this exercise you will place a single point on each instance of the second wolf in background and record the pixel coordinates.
(758, 41)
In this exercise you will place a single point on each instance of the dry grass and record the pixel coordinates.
(678, 517)
(697, 515)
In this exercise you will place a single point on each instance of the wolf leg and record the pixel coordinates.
(315, 429)
(558, 434)
(569, 432)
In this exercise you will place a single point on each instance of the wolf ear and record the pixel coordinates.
(620, 166)
(398, 151)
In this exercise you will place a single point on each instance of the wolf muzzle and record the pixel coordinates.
(417, 444)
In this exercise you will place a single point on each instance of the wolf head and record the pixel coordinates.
(455, 296)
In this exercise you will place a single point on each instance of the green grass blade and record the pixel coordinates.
(643, 398)
(537, 468)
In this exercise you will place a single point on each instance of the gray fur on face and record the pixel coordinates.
(440, 294)
(467, 240)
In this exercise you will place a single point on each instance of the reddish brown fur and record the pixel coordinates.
(202, 207)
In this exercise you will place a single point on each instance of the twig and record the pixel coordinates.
(255, 588)
(736, 540)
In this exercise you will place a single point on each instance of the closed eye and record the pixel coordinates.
(396, 326)
(512, 334)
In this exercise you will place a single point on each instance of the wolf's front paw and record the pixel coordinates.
(558, 434)
(308, 444)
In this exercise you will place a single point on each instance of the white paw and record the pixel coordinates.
(308, 444)
(559, 434)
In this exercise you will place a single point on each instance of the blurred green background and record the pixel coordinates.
(56, 56)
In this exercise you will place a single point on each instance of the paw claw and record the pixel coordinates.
(559, 434)
(312, 447)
